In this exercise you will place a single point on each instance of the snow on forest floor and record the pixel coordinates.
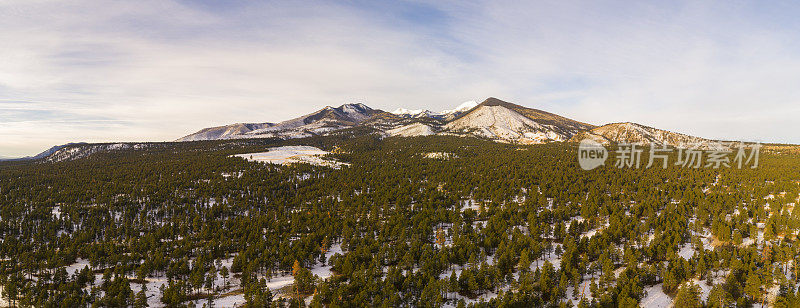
(686, 251)
(153, 290)
(439, 155)
(287, 155)
(705, 289)
(656, 298)
(590, 233)
(3, 302)
(274, 283)
(469, 204)
(772, 294)
(77, 266)
(707, 243)
(325, 271)
(593, 232)
(485, 297)
(583, 291)
(233, 297)
(552, 257)
(455, 297)
(228, 301)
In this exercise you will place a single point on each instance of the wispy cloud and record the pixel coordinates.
(157, 70)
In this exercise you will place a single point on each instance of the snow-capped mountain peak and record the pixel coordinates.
(409, 112)
(445, 115)
(359, 105)
(465, 106)
(499, 120)
(320, 122)
(356, 111)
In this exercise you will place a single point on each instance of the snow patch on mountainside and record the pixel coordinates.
(409, 112)
(443, 115)
(224, 132)
(498, 122)
(634, 133)
(411, 130)
(292, 130)
(85, 150)
(357, 111)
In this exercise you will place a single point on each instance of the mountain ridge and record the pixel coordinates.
(444, 115)
(493, 119)
(319, 122)
(630, 132)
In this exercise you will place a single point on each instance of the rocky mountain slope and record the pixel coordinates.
(81, 150)
(45, 153)
(225, 132)
(628, 132)
(505, 121)
(323, 121)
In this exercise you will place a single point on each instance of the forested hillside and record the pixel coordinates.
(423, 221)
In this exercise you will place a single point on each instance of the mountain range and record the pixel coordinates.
(493, 119)
(445, 115)
(320, 122)
(44, 154)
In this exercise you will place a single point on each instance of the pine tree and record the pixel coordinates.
(688, 296)
(524, 263)
(141, 297)
(753, 285)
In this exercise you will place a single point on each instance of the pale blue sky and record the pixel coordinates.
(156, 70)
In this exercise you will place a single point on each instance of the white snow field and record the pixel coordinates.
(287, 155)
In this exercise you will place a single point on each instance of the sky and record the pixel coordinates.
(156, 70)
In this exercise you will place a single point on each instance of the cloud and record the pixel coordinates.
(157, 70)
